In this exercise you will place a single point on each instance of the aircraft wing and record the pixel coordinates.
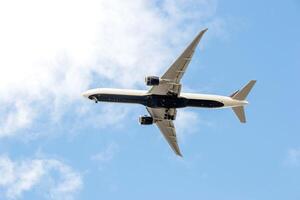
(166, 127)
(171, 79)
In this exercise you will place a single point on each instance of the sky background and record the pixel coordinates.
(54, 144)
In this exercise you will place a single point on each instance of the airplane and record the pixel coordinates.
(165, 97)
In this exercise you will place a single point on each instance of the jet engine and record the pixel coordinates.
(152, 80)
(146, 120)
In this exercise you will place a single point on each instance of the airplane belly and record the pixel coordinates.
(204, 103)
(158, 101)
(120, 98)
(164, 101)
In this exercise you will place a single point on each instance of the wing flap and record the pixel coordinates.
(166, 127)
(170, 136)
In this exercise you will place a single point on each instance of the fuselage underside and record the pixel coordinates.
(157, 101)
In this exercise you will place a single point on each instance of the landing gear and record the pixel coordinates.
(170, 114)
(169, 117)
(95, 99)
(173, 94)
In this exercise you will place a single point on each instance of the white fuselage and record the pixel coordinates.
(145, 98)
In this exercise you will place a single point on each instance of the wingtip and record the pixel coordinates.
(203, 31)
(200, 34)
(179, 154)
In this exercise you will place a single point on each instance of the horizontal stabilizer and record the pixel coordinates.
(240, 113)
(243, 93)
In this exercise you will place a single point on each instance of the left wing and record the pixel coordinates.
(170, 81)
(165, 126)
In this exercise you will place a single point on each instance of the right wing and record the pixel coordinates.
(171, 78)
(166, 127)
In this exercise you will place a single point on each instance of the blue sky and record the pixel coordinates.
(54, 144)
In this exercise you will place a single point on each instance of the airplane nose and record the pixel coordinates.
(85, 94)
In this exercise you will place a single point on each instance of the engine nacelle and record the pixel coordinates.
(146, 120)
(152, 80)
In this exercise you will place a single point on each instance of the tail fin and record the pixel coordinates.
(241, 95)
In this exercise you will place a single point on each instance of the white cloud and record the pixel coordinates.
(187, 123)
(109, 116)
(18, 117)
(18, 177)
(107, 154)
(51, 51)
(293, 158)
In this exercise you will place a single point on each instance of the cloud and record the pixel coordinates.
(293, 157)
(17, 177)
(51, 51)
(108, 116)
(187, 123)
(107, 154)
(18, 116)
